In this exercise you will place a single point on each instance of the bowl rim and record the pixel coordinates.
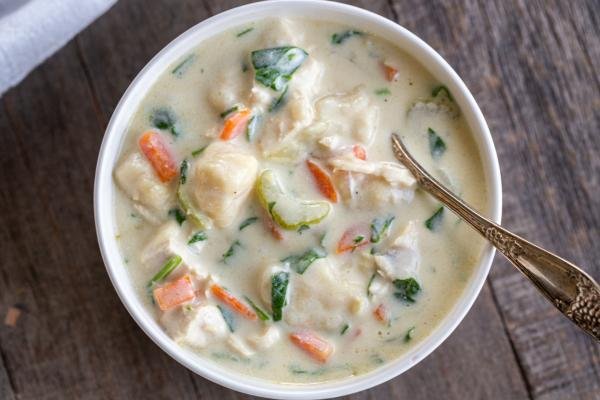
(115, 132)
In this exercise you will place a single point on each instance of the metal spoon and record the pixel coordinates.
(571, 290)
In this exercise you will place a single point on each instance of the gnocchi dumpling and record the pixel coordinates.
(223, 179)
(151, 197)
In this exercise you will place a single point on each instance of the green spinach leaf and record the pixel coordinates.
(279, 285)
(441, 90)
(379, 227)
(300, 262)
(433, 222)
(230, 251)
(228, 317)
(183, 170)
(279, 101)
(274, 67)
(339, 38)
(409, 334)
(198, 237)
(252, 127)
(166, 269)
(406, 289)
(259, 311)
(164, 119)
(247, 30)
(247, 222)
(437, 146)
(177, 214)
(183, 66)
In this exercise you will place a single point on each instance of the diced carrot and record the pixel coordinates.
(273, 228)
(359, 152)
(391, 73)
(233, 303)
(156, 151)
(323, 181)
(316, 347)
(235, 124)
(355, 237)
(382, 314)
(174, 293)
(270, 225)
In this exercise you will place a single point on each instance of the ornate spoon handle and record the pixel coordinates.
(571, 290)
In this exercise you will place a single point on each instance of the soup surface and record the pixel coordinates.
(262, 215)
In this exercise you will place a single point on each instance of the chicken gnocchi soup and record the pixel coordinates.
(263, 218)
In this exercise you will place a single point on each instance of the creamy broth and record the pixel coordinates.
(375, 271)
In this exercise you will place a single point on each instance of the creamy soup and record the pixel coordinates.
(262, 215)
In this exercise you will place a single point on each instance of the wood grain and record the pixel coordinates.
(533, 68)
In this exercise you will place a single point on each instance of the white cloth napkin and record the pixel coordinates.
(31, 30)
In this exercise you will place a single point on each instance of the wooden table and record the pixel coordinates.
(534, 68)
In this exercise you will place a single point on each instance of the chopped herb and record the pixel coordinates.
(223, 355)
(376, 359)
(322, 239)
(199, 151)
(244, 67)
(279, 285)
(379, 227)
(242, 33)
(383, 92)
(373, 250)
(247, 222)
(339, 38)
(177, 214)
(406, 289)
(274, 67)
(233, 109)
(271, 205)
(302, 228)
(163, 118)
(166, 269)
(183, 66)
(252, 127)
(230, 251)
(228, 317)
(344, 329)
(441, 89)
(435, 220)
(261, 314)
(437, 146)
(409, 334)
(185, 165)
(279, 101)
(197, 237)
(358, 239)
(370, 283)
(301, 262)
(295, 369)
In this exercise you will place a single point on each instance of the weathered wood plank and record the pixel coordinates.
(534, 69)
(6, 389)
(76, 340)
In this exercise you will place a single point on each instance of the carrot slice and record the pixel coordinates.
(235, 124)
(155, 150)
(316, 347)
(355, 237)
(174, 293)
(271, 226)
(382, 314)
(391, 73)
(323, 181)
(233, 303)
(359, 152)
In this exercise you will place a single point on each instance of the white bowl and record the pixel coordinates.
(117, 127)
